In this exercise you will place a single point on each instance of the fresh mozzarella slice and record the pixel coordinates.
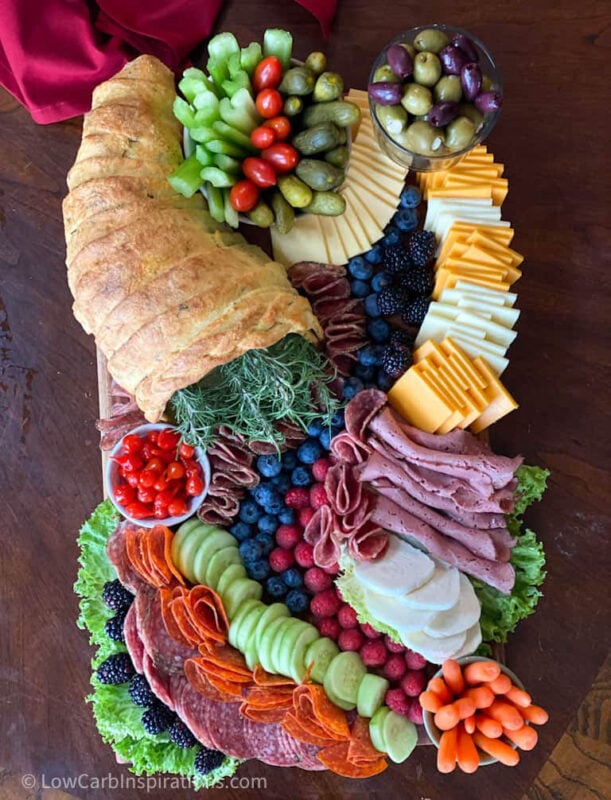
(465, 613)
(401, 569)
(398, 616)
(434, 650)
(472, 642)
(440, 592)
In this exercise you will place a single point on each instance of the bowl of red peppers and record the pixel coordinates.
(152, 477)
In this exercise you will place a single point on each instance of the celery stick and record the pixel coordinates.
(202, 134)
(231, 215)
(220, 48)
(226, 148)
(216, 204)
(233, 64)
(204, 156)
(186, 179)
(206, 100)
(250, 57)
(217, 177)
(241, 81)
(227, 163)
(190, 87)
(237, 117)
(279, 43)
(206, 116)
(244, 100)
(233, 135)
(183, 112)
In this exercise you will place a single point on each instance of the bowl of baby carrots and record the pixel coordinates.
(477, 712)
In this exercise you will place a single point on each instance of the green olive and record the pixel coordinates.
(392, 118)
(468, 110)
(431, 39)
(384, 74)
(410, 49)
(448, 88)
(427, 68)
(487, 85)
(422, 138)
(459, 133)
(417, 99)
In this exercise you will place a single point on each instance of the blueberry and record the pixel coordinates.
(301, 476)
(359, 288)
(359, 268)
(269, 498)
(325, 438)
(309, 451)
(369, 356)
(384, 381)
(251, 550)
(351, 387)
(379, 330)
(274, 504)
(411, 197)
(374, 256)
(371, 305)
(267, 542)
(296, 601)
(381, 281)
(268, 524)
(315, 427)
(241, 531)
(282, 482)
(249, 511)
(258, 570)
(269, 466)
(293, 578)
(337, 418)
(275, 586)
(286, 516)
(393, 236)
(366, 374)
(289, 459)
(406, 220)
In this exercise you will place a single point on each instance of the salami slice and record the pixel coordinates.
(319, 533)
(167, 654)
(115, 549)
(135, 648)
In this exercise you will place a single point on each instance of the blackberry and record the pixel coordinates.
(396, 259)
(140, 692)
(207, 760)
(399, 336)
(396, 359)
(157, 719)
(116, 596)
(391, 300)
(117, 668)
(418, 281)
(421, 247)
(181, 735)
(415, 312)
(114, 626)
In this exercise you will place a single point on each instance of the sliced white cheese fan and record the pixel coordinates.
(440, 592)
(401, 569)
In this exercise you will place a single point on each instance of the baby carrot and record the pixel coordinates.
(518, 697)
(501, 685)
(525, 737)
(469, 724)
(447, 717)
(535, 714)
(452, 674)
(430, 702)
(497, 749)
(489, 727)
(446, 753)
(465, 707)
(481, 696)
(466, 752)
(481, 672)
(506, 714)
(438, 685)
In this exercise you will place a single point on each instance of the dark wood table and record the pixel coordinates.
(554, 139)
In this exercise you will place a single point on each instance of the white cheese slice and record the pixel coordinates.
(509, 298)
(373, 216)
(305, 242)
(501, 315)
(401, 569)
(362, 154)
(434, 650)
(333, 242)
(478, 347)
(440, 592)
(389, 183)
(494, 332)
(352, 245)
(398, 616)
(465, 613)
(472, 642)
(454, 296)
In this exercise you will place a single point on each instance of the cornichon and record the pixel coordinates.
(319, 175)
(283, 212)
(329, 204)
(338, 156)
(262, 215)
(317, 139)
(316, 62)
(297, 80)
(341, 112)
(296, 193)
(329, 86)
(293, 105)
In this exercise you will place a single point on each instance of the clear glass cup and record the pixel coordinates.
(445, 158)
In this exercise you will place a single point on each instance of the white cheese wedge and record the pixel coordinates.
(398, 616)
(440, 592)
(373, 216)
(465, 613)
(305, 242)
(401, 569)
(472, 642)
(434, 650)
(352, 245)
(333, 242)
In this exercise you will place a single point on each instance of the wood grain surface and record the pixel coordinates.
(553, 137)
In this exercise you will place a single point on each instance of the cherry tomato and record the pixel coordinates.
(139, 510)
(161, 483)
(281, 127)
(131, 462)
(132, 443)
(160, 512)
(168, 440)
(177, 507)
(147, 451)
(174, 471)
(152, 437)
(191, 467)
(195, 486)
(259, 171)
(282, 156)
(269, 103)
(147, 496)
(166, 456)
(133, 479)
(244, 195)
(267, 74)
(165, 497)
(125, 494)
(263, 137)
(186, 450)
(156, 465)
(148, 478)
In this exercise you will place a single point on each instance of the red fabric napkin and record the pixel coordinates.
(53, 53)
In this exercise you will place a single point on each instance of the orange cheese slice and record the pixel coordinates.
(412, 397)
(501, 402)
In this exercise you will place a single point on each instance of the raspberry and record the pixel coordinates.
(413, 682)
(394, 669)
(329, 626)
(396, 700)
(318, 496)
(320, 469)
(317, 580)
(304, 554)
(347, 617)
(415, 712)
(305, 514)
(332, 569)
(281, 559)
(288, 536)
(414, 660)
(350, 640)
(394, 647)
(373, 653)
(297, 497)
(325, 604)
(370, 632)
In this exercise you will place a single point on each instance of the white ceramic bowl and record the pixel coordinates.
(112, 479)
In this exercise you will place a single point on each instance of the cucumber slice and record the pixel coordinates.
(297, 666)
(338, 700)
(251, 655)
(344, 674)
(271, 613)
(283, 643)
(376, 728)
(320, 653)
(239, 591)
(231, 574)
(266, 642)
(249, 623)
(219, 562)
(241, 615)
(216, 540)
(186, 551)
(185, 529)
(371, 693)
(400, 737)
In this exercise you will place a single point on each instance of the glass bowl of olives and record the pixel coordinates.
(435, 92)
